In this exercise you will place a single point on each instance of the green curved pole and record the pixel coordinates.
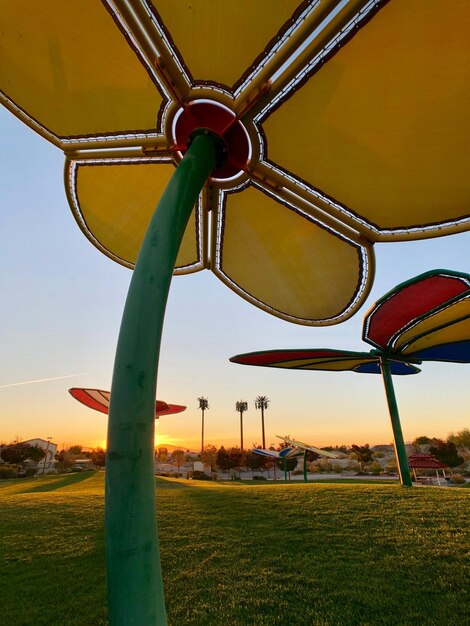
(135, 587)
(400, 450)
(305, 465)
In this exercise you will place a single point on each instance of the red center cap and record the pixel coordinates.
(204, 114)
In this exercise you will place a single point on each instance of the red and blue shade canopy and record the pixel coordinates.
(98, 400)
(424, 319)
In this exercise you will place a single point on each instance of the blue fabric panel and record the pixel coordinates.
(458, 352)
(396, 367)
(269, 453)
(286, 452)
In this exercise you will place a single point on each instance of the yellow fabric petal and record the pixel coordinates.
(332, 364)
(383, 126)
(284, 263)
(439, 329)
(115, 202)
(70, 68)
(219, 41)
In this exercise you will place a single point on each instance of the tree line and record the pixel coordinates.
(18, 457)
(454, 452)
(232, 460)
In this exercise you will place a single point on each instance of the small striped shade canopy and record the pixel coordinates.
(98, 400)
(424, 461)
(345, 123)
(322, 359)
(285, 453)
(424, 319)
(306, 446)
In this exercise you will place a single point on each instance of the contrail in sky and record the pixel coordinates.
(42, 380)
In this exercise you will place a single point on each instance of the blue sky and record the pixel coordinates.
(61, 306)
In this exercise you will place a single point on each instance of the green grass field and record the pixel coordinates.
(238, 554)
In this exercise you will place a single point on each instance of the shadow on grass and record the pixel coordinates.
(163, 483)
(315, 481)
(58, 483)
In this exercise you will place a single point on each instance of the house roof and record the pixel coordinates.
(424, 461)
(37, 439)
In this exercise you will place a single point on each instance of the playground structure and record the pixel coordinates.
(321, 120)
(424, 319)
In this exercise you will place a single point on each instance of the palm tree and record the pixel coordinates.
(241, 406)
(203, 405)
(262, 402)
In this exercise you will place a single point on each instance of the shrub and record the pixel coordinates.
(352, 467)
(7, 471)
(30, 471)
(373, 468)
(456, 479)
(259, 477)
(198, 475)
(325, 466)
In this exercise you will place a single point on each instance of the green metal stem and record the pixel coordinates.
(305, 465)
(135, 586)
(285, 470)
(400, 450)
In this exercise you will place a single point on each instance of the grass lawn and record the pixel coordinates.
(235, 554)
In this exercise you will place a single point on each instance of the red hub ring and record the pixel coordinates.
(204, 114)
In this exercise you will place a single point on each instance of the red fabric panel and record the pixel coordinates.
(407, 304)
(278, 356)
(171, 409)
(160, 407)
(84, 397)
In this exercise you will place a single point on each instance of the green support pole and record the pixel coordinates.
(305, 465)
(400, 450)
(135, 586)
(285, 470)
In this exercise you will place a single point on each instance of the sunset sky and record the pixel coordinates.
(61, 307)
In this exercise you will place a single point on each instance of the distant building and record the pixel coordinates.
(45, 465)
(84, 464)
(422, 461)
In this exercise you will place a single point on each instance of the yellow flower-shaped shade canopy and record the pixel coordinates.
(344, 123)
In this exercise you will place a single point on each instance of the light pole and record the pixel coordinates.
(45, 457)
(262, 402)
(203, 405)
(241, 406)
